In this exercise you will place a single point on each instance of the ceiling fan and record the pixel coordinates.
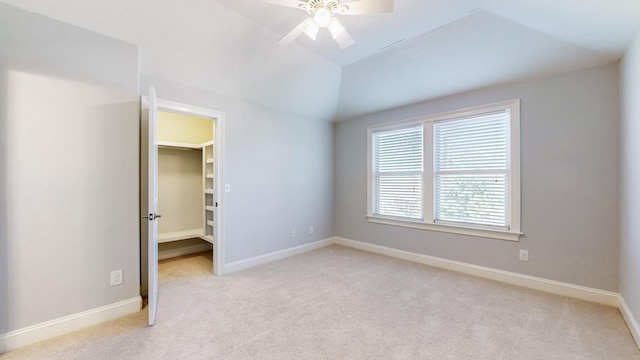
(322, 15)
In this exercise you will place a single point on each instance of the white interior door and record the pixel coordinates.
(152, 216)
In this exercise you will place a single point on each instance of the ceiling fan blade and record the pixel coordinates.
(344, 40)
(339, 33)
(358, 7)
(289, 3)
(293, 34)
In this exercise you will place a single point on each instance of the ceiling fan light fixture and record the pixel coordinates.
(311, 29)
(322, 16)
(335, 28)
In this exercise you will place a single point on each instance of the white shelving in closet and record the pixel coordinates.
(206, 231)
(208, 189)
(179, 235)
(178, 145)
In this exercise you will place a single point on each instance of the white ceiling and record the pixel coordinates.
(448, 46)
(602, 26)
(371, 33)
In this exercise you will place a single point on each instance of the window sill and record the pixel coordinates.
(493, 234)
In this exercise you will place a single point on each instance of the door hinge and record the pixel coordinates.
(216, 204)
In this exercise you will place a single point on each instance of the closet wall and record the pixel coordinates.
(179, 189)
(183, 128)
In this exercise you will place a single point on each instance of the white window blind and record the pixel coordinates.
(471, 170)
(397, 172)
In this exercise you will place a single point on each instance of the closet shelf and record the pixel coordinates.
(208, 191)
(178, 145)
(209, 176)
(210, 222)
(210, 208)
(209, 161)
(179, 235)
(207, 238)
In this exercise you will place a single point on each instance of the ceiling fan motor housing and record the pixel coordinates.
(333, 6)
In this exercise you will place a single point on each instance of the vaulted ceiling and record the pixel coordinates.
(601, 26)
(423, 50)
(431, 48)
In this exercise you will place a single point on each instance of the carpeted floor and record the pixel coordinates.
(341, 303)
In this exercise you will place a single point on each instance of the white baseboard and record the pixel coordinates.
(632, 323)
(531, 282)
(186, 250)
(277, 255)
(50, 329)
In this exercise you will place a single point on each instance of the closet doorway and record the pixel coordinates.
(190, 145)
(185, 184)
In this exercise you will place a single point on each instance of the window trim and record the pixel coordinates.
(427, 223)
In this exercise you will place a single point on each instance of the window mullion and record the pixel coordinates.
(428, 176)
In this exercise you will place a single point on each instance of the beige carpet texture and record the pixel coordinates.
(342, 303)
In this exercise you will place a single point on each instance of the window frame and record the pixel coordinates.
(427, 222)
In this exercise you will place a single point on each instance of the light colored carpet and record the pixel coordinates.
(341, 303)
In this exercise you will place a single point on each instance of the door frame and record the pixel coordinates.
(218, 118)
(152, 201)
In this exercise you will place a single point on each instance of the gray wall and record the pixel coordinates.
(36, 43)
(279, 166)
(570, 181)
(630, 192)
(69, 169)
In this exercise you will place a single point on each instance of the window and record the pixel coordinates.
(470, 167)
(397, 172)
(455, 172)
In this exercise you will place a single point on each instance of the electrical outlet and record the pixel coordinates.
(524, 255)
(293, 233)
(116, 277)
(311, 229)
